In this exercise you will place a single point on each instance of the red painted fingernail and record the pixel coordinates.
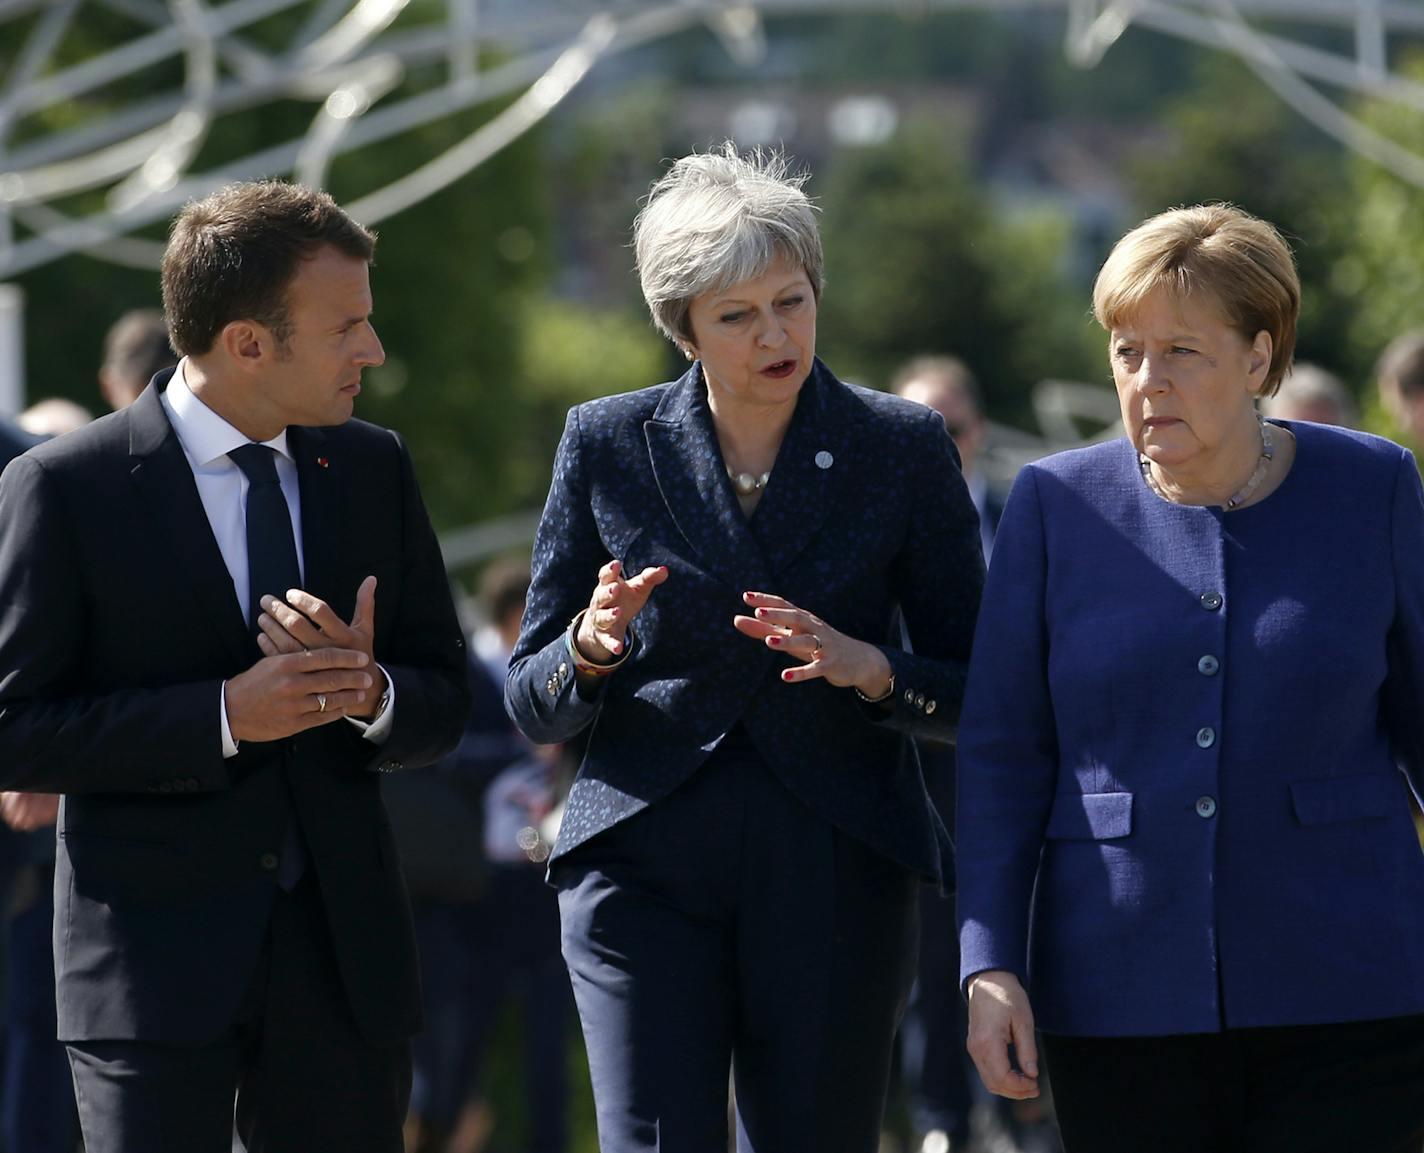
(786, 675)
(761, 612)
(773, 641)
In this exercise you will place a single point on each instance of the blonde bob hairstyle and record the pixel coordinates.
(716, 219)
(1215, 253)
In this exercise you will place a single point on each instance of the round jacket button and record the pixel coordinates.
(1206, 737)
(1208, 665)
(1206, 807)
(1211, 601)
(268, 861)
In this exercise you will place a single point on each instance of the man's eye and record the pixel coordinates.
(1182, 350)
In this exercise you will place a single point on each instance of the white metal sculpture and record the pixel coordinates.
(347, 58)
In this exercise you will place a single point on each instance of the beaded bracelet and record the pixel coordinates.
(581, 663)
(882, 698)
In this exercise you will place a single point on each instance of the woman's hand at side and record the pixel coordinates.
(1000, 1016)
(603, 630)
(841, 660)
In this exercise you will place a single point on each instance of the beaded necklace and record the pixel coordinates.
(1241, 495)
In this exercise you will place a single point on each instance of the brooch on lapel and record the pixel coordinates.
(322, 462)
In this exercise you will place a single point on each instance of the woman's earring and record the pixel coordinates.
(687, 352)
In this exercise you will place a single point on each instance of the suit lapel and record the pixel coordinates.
(164, 479)
(812, 467)
(692, 478)
(319, 482)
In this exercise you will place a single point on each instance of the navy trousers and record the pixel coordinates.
(729, 928)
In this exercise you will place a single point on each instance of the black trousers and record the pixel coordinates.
(729, 927)
(303, 1077)
(1350, 1088)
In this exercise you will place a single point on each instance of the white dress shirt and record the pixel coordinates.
(207, 439)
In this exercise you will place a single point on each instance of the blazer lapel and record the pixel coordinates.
(161, 471)
(319, 482)
(815, 462)
(692, 478)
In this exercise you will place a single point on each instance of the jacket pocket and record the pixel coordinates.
(1365, 797)
(1090, 817)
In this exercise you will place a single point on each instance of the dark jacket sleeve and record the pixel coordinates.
(425, 652)
(54, 737)
(939, 579)
(540, 691)
(1008, 746)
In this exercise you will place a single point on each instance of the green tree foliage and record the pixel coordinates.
(1231, 138)
(1382, 269)
(920, 260)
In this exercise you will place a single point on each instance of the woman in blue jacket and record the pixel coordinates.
(716, 572)
(1184, 832)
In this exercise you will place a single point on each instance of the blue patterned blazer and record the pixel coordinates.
(865, 513)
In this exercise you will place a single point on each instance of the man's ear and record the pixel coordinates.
(247, 344)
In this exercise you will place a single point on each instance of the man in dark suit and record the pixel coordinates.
(230, 917)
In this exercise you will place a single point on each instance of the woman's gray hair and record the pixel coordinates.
(716, 219)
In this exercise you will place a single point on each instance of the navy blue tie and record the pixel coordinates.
(271, 569)
(271, 548)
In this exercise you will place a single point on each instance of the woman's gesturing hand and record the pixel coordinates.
(1000, 1016)
(841, 660)
(603, 631)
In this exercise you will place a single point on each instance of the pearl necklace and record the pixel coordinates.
(1238, 498)
(745, 483)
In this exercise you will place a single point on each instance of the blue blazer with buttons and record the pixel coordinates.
(1180, 799)
(865, 512)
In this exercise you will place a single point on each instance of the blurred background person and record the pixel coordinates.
(136, 349)
(37, 1112)
(945, 384)
(1183, 831)
(1311, 393)
(1399, 376)
(474, 837)
(935, 1070)
(715, 573)
(53, 416)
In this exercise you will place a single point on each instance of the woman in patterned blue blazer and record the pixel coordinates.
(717, 569)
(1184, 829)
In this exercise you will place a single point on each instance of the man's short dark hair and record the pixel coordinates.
(1403, 363)
(136, 347)
(232, 255)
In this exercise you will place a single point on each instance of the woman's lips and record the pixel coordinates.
(780, 370)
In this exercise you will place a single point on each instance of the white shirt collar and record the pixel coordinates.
(205, 436)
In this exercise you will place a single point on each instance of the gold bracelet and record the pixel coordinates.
(883, 697)
(580, 662)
